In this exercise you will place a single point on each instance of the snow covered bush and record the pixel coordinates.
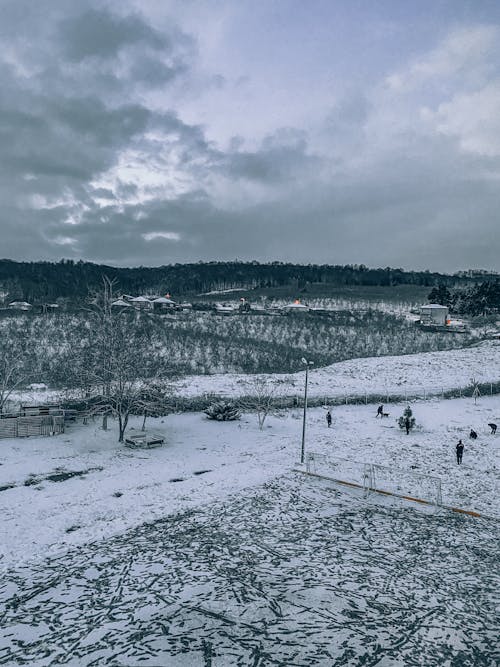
(223, 411)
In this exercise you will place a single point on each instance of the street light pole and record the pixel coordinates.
(303, 449)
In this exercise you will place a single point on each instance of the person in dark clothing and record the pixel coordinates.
(407, 425)
(493, 428)
(380, 411)
(472, 434)
(460, 451)
(329, 418)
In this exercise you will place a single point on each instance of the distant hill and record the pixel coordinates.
(48, 281)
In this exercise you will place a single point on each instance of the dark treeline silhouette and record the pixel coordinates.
(47, 281)
(479, 299)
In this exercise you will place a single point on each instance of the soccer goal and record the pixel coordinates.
(373, 478)
(403, 483)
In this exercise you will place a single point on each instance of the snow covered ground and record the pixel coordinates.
(413, 373)
(210, 550)
(212, 460)
(292, 573)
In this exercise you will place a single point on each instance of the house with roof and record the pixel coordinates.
(20, 305)
(295, 308)
(141, 303)
(433, 314)
(163, 303)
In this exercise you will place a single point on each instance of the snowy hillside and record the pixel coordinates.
(431, 371)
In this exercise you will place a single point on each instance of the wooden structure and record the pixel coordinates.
(143, 439)
(23, 425)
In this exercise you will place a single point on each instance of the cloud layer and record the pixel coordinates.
(132, 136)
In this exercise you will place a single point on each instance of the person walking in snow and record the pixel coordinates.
(329, 418)
(380, 411)
(407, 425)
(472, 434)
(460, 451)
(493, 428)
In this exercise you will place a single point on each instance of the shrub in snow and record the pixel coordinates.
(223, 411)
(407, 420)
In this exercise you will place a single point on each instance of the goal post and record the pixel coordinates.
(406, 484)
(376, 478)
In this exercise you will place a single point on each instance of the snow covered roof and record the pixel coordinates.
(222, 307)
(19, 303)
(296, 305)
(434, 305)
(163, 299)
(120, 302)
(140, 299)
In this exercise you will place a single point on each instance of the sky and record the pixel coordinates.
(150, 132)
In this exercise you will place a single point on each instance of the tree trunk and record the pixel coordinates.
(122, 425)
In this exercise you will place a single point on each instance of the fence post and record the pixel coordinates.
(366, 398)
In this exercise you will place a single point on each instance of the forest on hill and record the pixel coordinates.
(47, 281)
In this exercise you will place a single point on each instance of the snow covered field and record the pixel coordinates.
(213, 460)
(414, 373)
(210, 550)
(292, 573)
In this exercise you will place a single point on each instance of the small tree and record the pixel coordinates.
(11, 376)
(407, 420)
(476, 393)
(13, 353)
(261, 398)
(155, 401)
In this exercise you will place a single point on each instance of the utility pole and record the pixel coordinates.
(303, 449)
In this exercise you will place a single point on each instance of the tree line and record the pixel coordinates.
(48, 281)
(474, 300)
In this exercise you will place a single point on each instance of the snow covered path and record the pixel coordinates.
(293, 573)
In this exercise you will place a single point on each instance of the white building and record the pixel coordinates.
(434, 314)
(295, 308)
(163, 303)
(20, 305)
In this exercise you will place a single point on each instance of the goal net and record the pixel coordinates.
(405, 484)
(377, 479)
(347, 471)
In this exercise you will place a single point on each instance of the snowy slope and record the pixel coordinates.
(432, 371)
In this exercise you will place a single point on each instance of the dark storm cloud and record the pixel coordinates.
(99, 160)
(101, 34)
(281, 157)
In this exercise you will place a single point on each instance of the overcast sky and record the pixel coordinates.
(317, 131)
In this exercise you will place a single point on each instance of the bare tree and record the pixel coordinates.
(11, 374)
(114, 365)
(261, 397)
